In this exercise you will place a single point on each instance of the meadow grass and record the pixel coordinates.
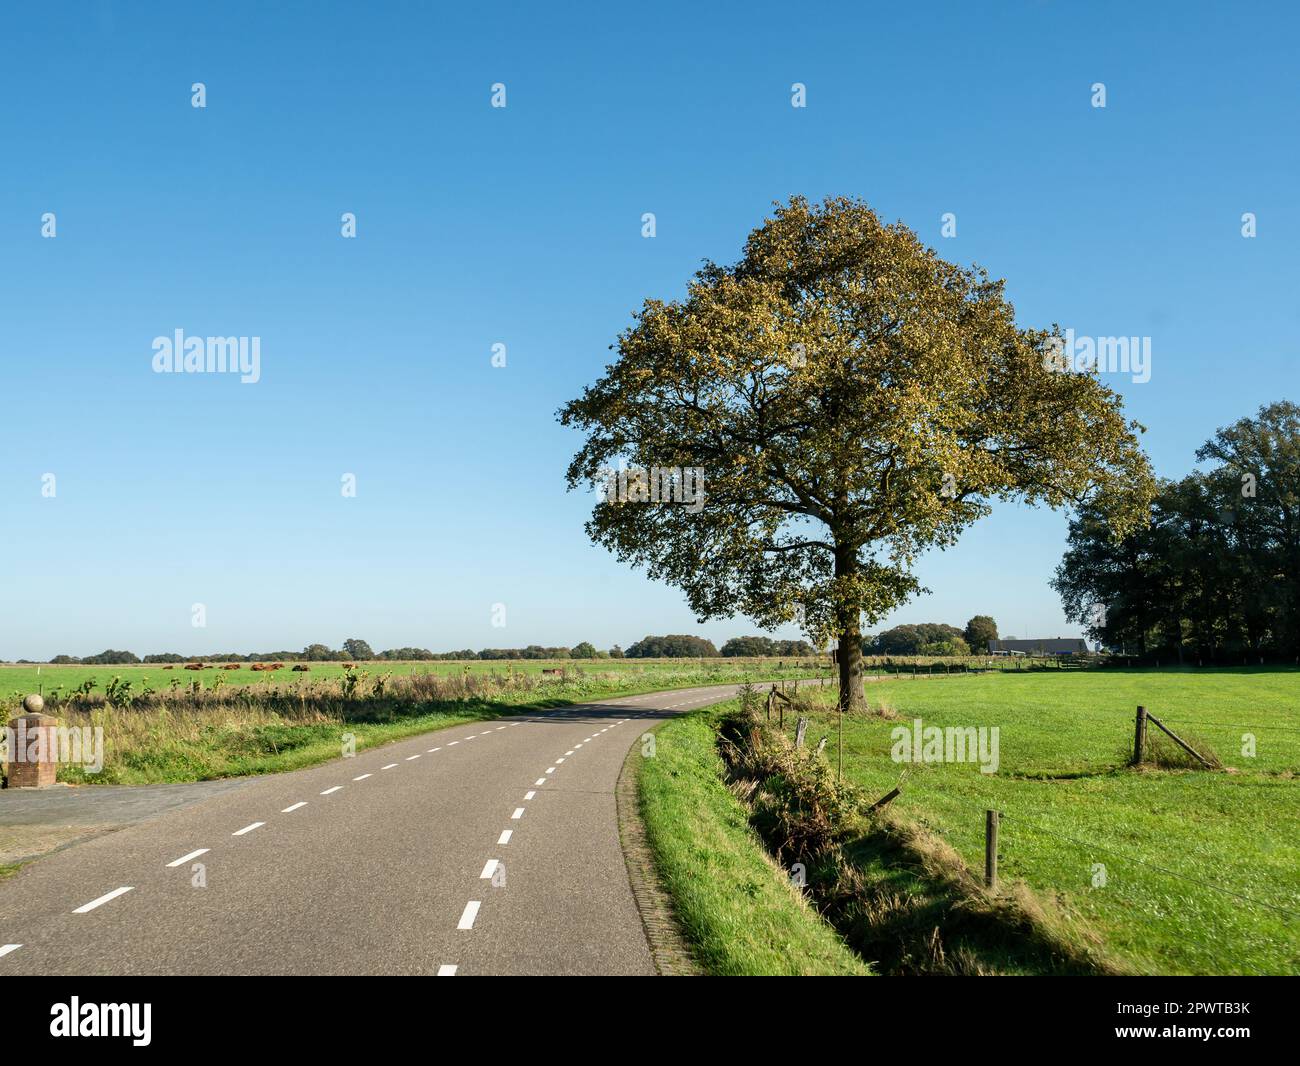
(1179, 871)
(736, 908)
(18, 680)
(290, 721)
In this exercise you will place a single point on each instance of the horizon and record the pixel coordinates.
(477, 227)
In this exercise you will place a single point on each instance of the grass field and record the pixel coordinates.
(284, 721)
(17, 681)
(1201, 869)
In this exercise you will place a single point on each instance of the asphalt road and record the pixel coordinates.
(489, 848)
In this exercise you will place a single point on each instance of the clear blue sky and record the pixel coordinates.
(523, 226)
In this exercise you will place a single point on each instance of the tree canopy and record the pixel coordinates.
(852, 399)
(1216, 574)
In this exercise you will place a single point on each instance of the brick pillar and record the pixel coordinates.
(32, 733)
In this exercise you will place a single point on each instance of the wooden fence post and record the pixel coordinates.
(800, 728)
(991, 850)
(1139, 736)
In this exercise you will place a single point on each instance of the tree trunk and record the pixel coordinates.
(850, 663)
(850, 636)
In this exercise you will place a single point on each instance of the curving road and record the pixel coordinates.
(489, 848)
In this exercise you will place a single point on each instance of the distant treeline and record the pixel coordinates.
(1215, 577)
(934, 638)
(673, 646)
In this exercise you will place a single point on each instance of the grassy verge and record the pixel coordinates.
(736, 907)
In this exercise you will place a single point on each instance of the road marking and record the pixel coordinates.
(489, 869)
(186, 858)
(452, 743)
(247, 829)
(540, 781)
(504, 838)
(102, 900)
(362, 777)
(558, 761)
(8, 948)
(432, 750)
(499, 728)
(485, 732)
(389, 766)
(529, 795)
(467, 739)
(550, 769)
(446, 970)
(469, 914)
(410, 757)
(519, 813)
(329, 790)
(569, 752)
(300, 803)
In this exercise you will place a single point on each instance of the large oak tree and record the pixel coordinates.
(852, 399)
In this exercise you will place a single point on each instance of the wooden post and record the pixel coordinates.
(1139, 736)
(800, 728)
(991, 850)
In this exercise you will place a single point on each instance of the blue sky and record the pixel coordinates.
(522, 226)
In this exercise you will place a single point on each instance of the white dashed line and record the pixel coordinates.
(469, 914)
(102, 900)
(432, 750)
(8, 948)
(550, 769)
(540, 781)
(186, 858)
(288, 810)
(489, 869)
(558, 761)
(504, 838)
(362, 777)
(452, 743)
(247, 829)
(569, 752)
(529, 795)
(446, 970)
(410, 757)
(519, 813)
(329, 791)
(389, 766)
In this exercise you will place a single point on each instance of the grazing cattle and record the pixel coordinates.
(231, 666)
(169, 668)
(276, 666)
(549, 671)
(349, 666)
(195, 666)
(301, 667)
(258, 666)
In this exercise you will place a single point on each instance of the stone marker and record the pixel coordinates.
(32, 734)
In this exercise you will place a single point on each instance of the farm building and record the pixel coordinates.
(1042, 646)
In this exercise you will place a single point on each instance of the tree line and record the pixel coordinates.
(672, 646)
(934, 638)
(1215, 577)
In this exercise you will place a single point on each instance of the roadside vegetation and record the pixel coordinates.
(735, 906)
(202, 725)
